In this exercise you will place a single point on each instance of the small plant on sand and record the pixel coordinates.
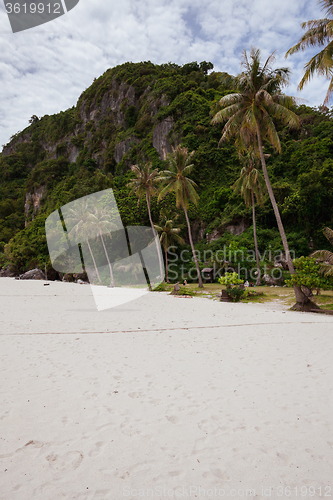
(232, 282)
(187, 291)
(162, 287)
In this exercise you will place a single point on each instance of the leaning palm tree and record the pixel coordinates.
(319, 32)
(79, 218)
(101, 219)
(176, 180)
(168, 235)
(145, 184)
(325, 256)
(251, 186)
(249, 112)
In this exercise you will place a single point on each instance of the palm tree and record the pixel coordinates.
(318, 33)
(176, 180)
(325, 256)
(80, 218)
(168, 234)
(249, 113)
(251, 186)
(101, 219)
(145, 184)
(134, 267)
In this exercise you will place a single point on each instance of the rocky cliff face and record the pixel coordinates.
(32, 203)
(107, 112)
(160, 137)
(104, 127)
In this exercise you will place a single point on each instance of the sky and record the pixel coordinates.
(44, 70)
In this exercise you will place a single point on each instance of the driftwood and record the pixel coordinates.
(321, 311)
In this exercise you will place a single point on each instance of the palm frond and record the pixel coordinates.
(329, 234)
(327, 5)
(329, 94)
(324, 256)
(316, 35)
(319, 32)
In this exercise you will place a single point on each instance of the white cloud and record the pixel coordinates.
(45, 69)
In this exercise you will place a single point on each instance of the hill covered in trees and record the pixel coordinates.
(136, 113)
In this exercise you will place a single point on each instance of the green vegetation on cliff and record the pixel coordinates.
(135, 113)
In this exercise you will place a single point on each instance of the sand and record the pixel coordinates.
(161, 398)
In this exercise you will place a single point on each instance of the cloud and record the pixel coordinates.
(45, 69)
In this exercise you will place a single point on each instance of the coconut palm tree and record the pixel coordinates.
(80, 219)
(250, 112)
(145, 184)
(176, 180)
(251, 186)
(101, 219)
(168, 234)
(134, 267)
(325, 256)
(319, 32)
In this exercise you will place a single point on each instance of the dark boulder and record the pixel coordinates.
(33, 274)
(7, 272)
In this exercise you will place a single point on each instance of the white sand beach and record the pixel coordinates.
(162, 397)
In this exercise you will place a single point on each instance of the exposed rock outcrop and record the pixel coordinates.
(198, 230)
(160, 140)
(32, 201)
(123, 147)
(239, 228)
(214, 235)
(10, 148)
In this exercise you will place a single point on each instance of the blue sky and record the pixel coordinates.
(44, 70)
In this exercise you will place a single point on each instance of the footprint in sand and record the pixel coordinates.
(97, 449)
(29, 444)
(284, 457)
(133, 395)
(176, 473)
(207, 426)
(173, 419)
(221, 474)
(217, 472)
(64, 463)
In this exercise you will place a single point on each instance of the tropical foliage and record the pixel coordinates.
(325, 256)
(319, 33)
(145, 183)
(308, 275)
(250, 113)
(60, 158)
(176, 180)
(251, 186)
(232, 282)
(169, 235)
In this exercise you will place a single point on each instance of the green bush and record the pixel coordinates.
(307, 274)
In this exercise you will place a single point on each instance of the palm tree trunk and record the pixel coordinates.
(154, 233)
(99, 278)
(107, 257)
(166, 265)
(258, 282)
(301, 298)
(192, 246)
